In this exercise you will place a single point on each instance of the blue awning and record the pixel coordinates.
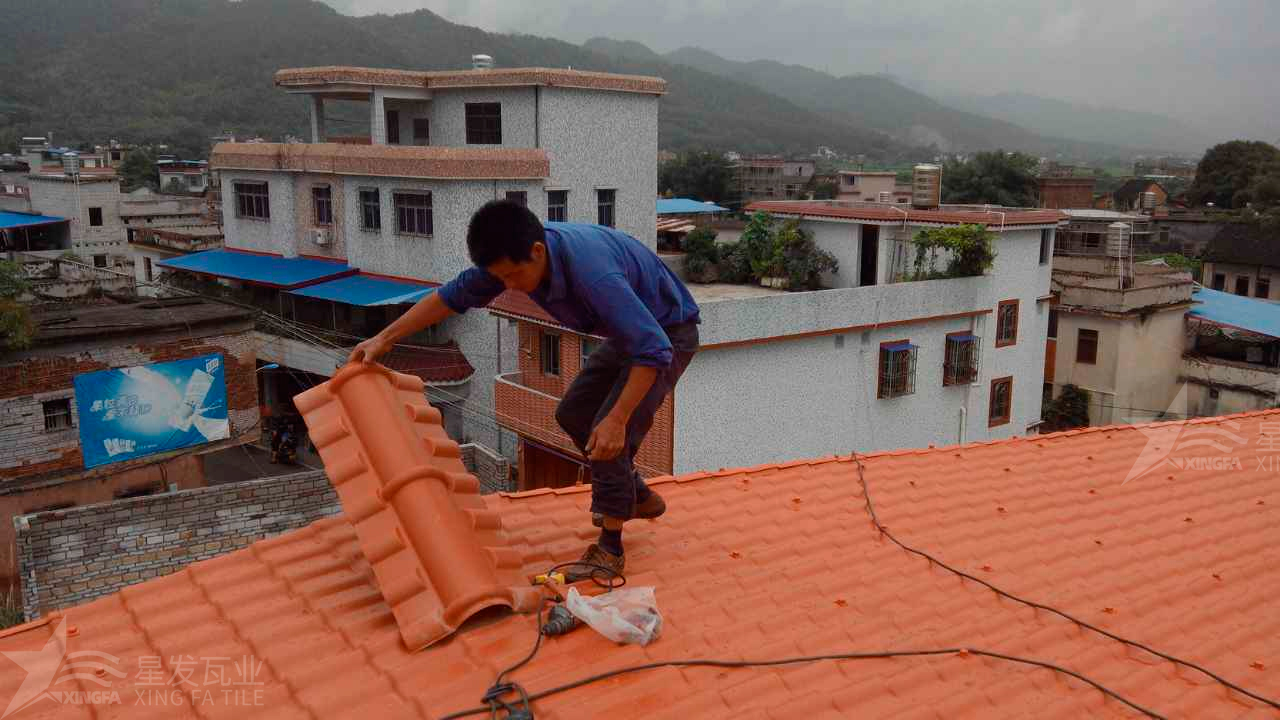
(963, 337)
(1256, 316)
(685, 206)
(365, 291)
(894, 347)
(270, 270)
(21, 219)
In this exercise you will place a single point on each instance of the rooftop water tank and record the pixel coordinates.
(482, 62)
(926, 186)
(71, 163)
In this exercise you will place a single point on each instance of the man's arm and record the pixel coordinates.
(470, 289)
(426, 312)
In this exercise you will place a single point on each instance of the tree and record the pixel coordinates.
(969, 251)
(1232, 173)
(16, 327)
(996, 178)
(1069, 410)
(697, 174)
(139, 169)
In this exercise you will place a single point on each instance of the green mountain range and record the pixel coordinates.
(179, 71)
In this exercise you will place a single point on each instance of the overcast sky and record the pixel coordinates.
(1213, 64)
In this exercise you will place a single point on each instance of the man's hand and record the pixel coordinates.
(607, 439)
(370, 350)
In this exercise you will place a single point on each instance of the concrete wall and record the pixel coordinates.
(449, 116)
(68, 557)
(57, 196)
(603, 140)
(493, 470)
(1232, 272)
(817, 395)
(1238, 387)
(844, 241)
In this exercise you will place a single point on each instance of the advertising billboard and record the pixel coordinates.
(132, 412)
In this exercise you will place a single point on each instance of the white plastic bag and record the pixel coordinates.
(627, 615)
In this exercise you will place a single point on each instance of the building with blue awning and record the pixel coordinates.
(365, 291)
(270, 270)
(30, 232)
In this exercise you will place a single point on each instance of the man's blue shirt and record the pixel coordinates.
(602, 282)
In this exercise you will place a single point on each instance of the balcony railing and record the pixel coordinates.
(529, 412)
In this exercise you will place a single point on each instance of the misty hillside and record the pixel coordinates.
(182, 70)
(1085, 122)
(881, 103)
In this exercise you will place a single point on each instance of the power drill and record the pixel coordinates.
(560, 621)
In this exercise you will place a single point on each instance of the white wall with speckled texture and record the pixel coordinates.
(788, 399)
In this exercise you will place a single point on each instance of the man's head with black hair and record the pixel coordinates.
(507, 240)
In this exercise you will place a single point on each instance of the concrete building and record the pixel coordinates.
(1118, 334)
(42, 464)
(770, 177)
(91, 201)
(339, 234)
(150, 246)
(1242, 258)
(875, 362)
(869, 186)
(1232, 359)
(1065, 192)
(183, 176)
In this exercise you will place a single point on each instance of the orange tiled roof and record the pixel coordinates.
(782, 560)
(384, 160)
(881, 214)
(441, 364)
(497, 77)
(520, 305)
(438, 554)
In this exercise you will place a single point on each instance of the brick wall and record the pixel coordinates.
(26, 448)
(67, 557)
(492, 469)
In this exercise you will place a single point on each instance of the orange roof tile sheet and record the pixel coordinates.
(890, 213)
(782, 560)
(438, 553)
(520, 305)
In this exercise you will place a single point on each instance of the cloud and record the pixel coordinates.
(1206, 63)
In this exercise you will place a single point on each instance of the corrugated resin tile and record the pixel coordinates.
(438, 553)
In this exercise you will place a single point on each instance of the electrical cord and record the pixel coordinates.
(884, 531)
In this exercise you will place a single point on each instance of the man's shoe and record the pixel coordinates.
(651, 508)
(598, 562)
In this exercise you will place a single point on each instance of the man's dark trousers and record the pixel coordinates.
(616, 487)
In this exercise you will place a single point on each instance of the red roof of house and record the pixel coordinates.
(520, 305)
(888, 213)
(441, 364)
(784, 560)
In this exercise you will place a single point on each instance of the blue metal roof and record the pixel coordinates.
(20, 219)
(894, 347)
(364, 290)
(264, 269)
(685, 206)
(1255, 316)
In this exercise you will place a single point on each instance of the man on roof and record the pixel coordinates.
(592, 279)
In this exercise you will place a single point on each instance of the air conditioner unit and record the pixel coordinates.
(320, 236)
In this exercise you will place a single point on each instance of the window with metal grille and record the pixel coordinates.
(588, 346)
(252, 200)
(1046, 242)
(1087, 346)
(897, 369)
(322, 204)
(57, 414)
(604, 207)
(518, 196)
(557, 205)
(1006, 323)
(393, 127)
(960, 360)
(1001, 404)
(549, 348)
(413, 213)
(370, 210)
(484, 123)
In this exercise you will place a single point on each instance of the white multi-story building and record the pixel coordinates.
(875, 362)
(345, 231)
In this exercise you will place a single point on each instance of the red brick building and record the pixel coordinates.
(550, 357)
(41, 462)
(1065, 192)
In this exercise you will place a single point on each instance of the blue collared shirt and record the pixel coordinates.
(602, 282)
